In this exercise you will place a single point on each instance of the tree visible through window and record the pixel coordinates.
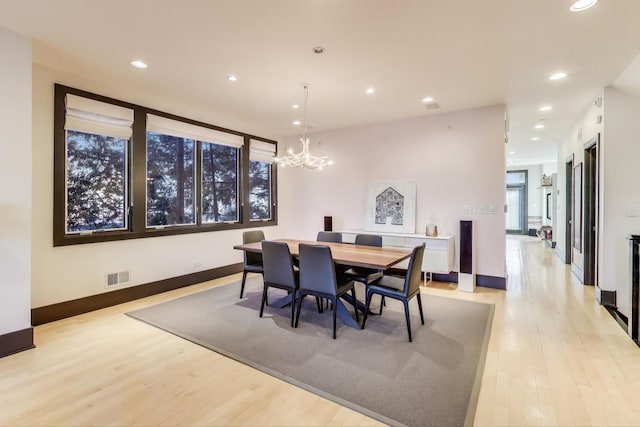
(96, 182)
(170, 180)
(259, 190)
(219, 183)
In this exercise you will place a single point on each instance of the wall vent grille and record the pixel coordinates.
(117, 278)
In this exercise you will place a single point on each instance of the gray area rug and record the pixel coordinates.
(433, 381)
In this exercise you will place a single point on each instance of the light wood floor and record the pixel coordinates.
(555, 358)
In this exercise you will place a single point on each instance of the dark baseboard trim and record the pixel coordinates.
(15, 342)
(451, 277)
(51, 313)
(481, 280)
(620, 318)
(492, 282)
(607, 298)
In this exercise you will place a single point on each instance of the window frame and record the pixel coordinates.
(137, 179)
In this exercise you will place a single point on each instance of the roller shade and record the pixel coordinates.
(171, 127)
(262, 151)
(91, 116)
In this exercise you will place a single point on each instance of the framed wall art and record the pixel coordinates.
(391, 207)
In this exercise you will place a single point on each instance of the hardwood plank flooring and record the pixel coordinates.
(555, 357)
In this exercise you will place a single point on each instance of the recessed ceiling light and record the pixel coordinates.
(370, 90)
(558, 76)
(546, 108)
(539, 126)
(512, 152)
(581, 5)
(138, 64)
(296, 122)
(427, 100)
(232, 78)
(295, 106)
(535, 138)
(318, 50)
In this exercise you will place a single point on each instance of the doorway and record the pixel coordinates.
(590, 231)
(568, 240)
(516, 198)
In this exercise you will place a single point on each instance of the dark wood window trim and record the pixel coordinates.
(137, 178)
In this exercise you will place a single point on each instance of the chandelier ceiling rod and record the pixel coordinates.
(303, 158)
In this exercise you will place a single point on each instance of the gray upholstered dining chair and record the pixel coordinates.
(332, 237)
(329, 236)
(318, 278)
(397, 288)
(364, 275)
(279, 272)
(252, 260)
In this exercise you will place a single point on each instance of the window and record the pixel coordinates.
(123, 171)
(259, 190)
(96, 182)
(260, 161)
(170, 180)
(219, 183)
(96, 136)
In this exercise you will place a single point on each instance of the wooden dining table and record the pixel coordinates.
(345, 254)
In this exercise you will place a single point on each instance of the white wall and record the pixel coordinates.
(456, 159)
(15, 182)
(573, 144)
(70, 272)
(621, 180)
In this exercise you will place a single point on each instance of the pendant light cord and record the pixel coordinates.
(304, 114)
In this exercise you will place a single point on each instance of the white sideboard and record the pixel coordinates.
(438, 252)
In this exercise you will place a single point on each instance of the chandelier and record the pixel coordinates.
(303, 158)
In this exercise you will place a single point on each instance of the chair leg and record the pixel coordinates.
(264, 298)
(300, 298)
(366, 309)
(293, 307)
(420, 307)
(355, 302)
(244, 279)
(382, 303)
(406, 314)
(320, 304)
(335, 312)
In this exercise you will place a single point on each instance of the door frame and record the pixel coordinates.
(568, 240)
(525, 201)
(591, 203)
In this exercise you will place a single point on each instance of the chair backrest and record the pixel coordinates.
(278, 264)
(369, 240)
(317, 270)
(329, 236)
(412, 279)
(252, 258)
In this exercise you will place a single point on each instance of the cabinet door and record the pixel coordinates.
(435, 261)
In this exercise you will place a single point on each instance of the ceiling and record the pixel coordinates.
(464, 53)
